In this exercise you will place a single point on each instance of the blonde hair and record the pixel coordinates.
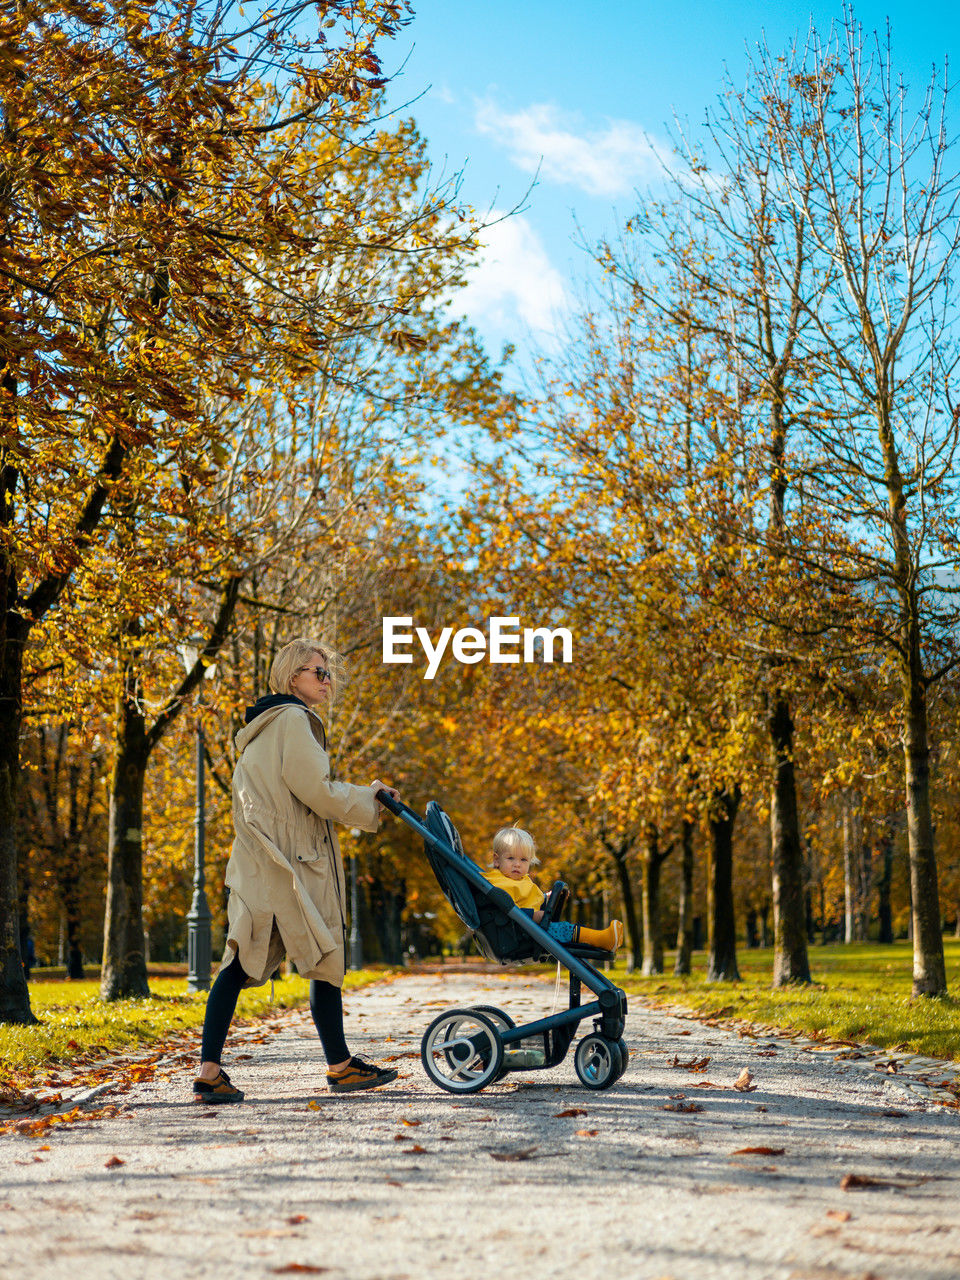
(515, 840)
(296, 655)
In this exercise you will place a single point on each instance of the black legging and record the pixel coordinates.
(326, 1006)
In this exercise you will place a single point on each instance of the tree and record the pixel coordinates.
(652, 860)
(879, 193)
(127, 223)
(63, 820)
(685, 905)
(721, 931)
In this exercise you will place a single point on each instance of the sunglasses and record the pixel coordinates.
(320, 672)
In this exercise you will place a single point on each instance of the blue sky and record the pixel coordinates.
(582, 91)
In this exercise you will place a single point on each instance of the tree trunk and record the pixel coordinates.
(652, 928)
(124, 972)
(752, 939)
(386, 910)
(68, 882)
(71, 864)
(884, 883)
(124, 953)
(929, 971)
(14, 995)
(790, 962)
(685, 911)
(618, 853)
(721, 927)
(864, 883)
(856, 871)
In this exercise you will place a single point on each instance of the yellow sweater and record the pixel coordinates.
(524, 892)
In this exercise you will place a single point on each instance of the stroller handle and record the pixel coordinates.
(396, 807)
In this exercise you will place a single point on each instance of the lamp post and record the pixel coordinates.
(199, 943)
(356, 943)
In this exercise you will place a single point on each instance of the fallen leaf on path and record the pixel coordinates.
(893, 1113)
(520, 1153)
(114, 1162)
(297, 1218)
(587, 1133)
(415, 1150)
(695, 1064)
(839, 1215)
(20, 1101)
(570, 1111)
(685, 1108)
(744, 1082)
(412, 1124)
(759, 1151)
(298, 1266)
(861, 1181)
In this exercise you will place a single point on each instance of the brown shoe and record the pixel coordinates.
(359, 1074)
(217, 1090)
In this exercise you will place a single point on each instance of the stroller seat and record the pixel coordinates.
(497, 936)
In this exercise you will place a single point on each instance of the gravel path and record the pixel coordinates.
(411, 1181)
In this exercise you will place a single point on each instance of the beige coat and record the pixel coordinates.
(285, 874)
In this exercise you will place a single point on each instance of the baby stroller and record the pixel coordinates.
(465, 1049)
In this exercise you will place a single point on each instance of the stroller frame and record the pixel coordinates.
(465, 1049)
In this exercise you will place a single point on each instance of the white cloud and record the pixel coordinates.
(514, 283)
(602, 162)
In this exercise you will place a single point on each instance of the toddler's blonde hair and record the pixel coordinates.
(515, 840)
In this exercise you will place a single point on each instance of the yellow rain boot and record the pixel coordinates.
(607, 939)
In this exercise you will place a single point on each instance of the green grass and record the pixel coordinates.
(76, 1027)
(860, 992)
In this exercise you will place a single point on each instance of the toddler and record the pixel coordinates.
(514, 853)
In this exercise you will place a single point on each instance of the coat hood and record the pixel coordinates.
(265, 710)
(271, 700)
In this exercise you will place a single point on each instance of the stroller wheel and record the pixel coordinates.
(624, 1056)
(598, 1061)
(462, 1051)
(501, 1020)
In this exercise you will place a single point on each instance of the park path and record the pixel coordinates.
(409, 1181)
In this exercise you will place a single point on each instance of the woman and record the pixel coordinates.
(285, 875)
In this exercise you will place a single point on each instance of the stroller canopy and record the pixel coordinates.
(456, 887)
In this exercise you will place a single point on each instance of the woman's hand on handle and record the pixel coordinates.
(382, 786)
